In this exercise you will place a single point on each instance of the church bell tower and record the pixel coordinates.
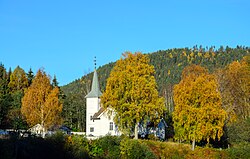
(92, 103)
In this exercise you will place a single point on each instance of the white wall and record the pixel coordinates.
(102, 126)
(93, 105)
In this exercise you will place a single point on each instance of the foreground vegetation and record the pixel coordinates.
(77, 147)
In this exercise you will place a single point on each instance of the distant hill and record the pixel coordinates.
(168, 66)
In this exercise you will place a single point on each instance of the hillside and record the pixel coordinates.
(168, 67)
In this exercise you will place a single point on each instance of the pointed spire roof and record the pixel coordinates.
(95, 89)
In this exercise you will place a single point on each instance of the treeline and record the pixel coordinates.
(13, 86)
(168, 65)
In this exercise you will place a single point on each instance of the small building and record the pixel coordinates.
(158, 131)
(37, 129)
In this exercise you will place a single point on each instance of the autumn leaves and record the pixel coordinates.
(131, 92)
(204, 102)
(40, 103)
(198, 112)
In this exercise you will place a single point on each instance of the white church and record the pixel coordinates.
(98, 123)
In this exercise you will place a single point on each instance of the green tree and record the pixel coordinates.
(40, 104)
(15, 118)
(5, 97)
(198, 112)
(17, 83)
(74, 111)
(30, 76)
(131, 93)
(18, 80)
(54, 82)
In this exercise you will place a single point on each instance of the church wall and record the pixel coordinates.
(103, 126)
(93, 105)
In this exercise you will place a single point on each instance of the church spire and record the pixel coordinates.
(95, 89)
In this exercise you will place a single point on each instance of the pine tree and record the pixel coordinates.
(5, 97)
(30, 76)
(54, 82)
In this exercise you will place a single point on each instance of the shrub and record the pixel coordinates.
(95, 150)
(68, 146)
(110, 146)
(168, 149)
(239, 131)
(240, 151)
(78, 145)
(131, 149)
(207, 153)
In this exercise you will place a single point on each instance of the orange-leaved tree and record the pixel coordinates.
(198, 112)
(40, 104)
(234, 82)
(131, 92)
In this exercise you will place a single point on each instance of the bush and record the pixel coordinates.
(207, 153)
(78, 146)
(131, 149)
(168, 149)
(110, 146)
(240, 151)
(239, 131)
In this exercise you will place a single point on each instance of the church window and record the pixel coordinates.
(91, 129)
(111, 125)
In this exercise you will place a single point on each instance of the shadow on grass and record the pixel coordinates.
(37, 148)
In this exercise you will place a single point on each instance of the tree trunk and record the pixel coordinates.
(136, 131)
(43, 130)
(42, 124)
(193, 144)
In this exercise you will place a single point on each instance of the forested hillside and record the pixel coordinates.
(168, 66)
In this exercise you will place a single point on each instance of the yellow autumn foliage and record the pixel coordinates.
(131, 92)
(40, 104)
(234, 82)
(18, 80)
(198, 112)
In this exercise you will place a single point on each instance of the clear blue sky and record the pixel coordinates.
(64, 36)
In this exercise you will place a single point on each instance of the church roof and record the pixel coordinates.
(95, 89)
(97, 114)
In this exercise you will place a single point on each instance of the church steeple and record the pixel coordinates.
(95, 89)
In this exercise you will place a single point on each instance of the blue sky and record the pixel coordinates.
(64, 36)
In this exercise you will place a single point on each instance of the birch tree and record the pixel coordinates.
(40, 104)
(131, 92)
(198, 112)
